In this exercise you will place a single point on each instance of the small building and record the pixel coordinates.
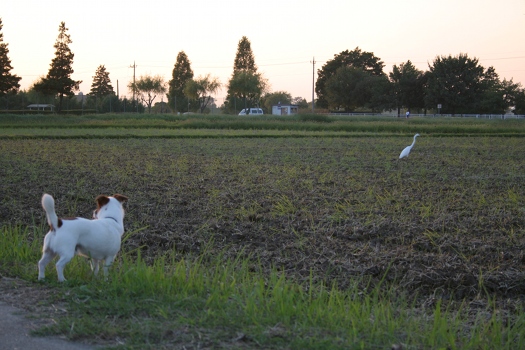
(41, 107)
(285, 109)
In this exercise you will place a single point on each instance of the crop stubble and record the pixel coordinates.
(448, 221)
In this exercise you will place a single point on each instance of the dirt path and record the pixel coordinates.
(21, 313)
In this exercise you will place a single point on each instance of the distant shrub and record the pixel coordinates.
(78, 111)
(318, 118)
(25, 112)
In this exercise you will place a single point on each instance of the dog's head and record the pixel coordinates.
(110, 206)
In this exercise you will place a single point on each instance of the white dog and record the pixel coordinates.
(98, 239)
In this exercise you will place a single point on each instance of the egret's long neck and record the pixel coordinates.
(413, 143)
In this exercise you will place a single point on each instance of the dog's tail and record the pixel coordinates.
(48, 203)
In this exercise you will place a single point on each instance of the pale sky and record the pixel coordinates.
(285, 36)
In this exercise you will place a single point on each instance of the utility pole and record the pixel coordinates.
(133, 66)
(313, 83)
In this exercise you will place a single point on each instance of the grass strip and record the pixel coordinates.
(140, 124)
(213, 301)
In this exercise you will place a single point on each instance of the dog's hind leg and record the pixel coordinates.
(95, 265)
(61, 263)
(107, 263)
(46, 258)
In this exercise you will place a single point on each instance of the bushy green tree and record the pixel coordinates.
(14, 101)
(201, 89)
(300, 102)
(493, 96)
(461, 85)
(456, 83)
(110, 103)
(247, 87)
(35, 96)
(367, 62)
(58, 79)
(382, 96)
(147, 88)
(519, 103)
(350, 88)
(499, 97)
(407, 86)
(9, 83)
(274, 98)
(125, 105)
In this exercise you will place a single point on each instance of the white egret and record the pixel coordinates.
(407, 149)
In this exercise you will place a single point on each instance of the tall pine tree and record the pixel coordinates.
(246, 85)
(182, 73)
(8, 81)
(58, 80)
(244, 59)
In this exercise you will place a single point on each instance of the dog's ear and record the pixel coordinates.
(121, 198)
(102, 201)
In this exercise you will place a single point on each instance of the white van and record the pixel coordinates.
(251, 111)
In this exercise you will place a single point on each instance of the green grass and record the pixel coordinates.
(166, 125)
(174, 301)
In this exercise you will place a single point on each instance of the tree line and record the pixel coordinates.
(455, 84)
(351, 81)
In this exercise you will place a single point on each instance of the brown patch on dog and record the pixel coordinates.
(121, 198)
(60, 222)
(101, 201)
(59, 225)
